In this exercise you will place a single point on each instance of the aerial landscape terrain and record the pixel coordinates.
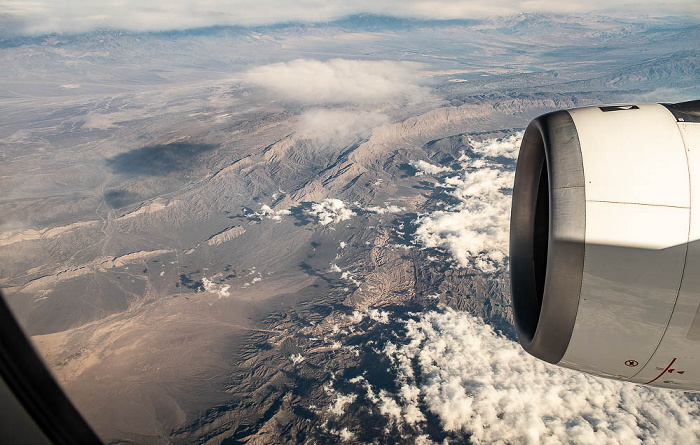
(298, 232)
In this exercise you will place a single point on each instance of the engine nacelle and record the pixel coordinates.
(604, 250)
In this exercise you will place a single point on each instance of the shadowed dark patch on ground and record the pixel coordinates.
(120, 198)
(189, 283)
(158, 160)
(310, 270)
(408, 229)
(301, 214)
(408, 170)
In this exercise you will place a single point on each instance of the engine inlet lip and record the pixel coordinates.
(545, 302)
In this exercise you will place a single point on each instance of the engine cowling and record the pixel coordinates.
(604, 250)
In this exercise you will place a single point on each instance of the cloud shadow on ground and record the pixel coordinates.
(158, 160)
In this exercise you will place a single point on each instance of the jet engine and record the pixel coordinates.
(604, 250)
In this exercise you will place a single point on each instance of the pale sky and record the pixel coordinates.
(29, 17)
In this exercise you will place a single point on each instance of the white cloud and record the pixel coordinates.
(341, 401)
(424, 167)
(378, 315)
(485, 386)
(388, 208)
(209, 286)
(346, 435)
(268, 212)
(374, 314)
(507, 147)
(45, 16)
(358, 82)
(351, 278)
(330, 211)
(475, 230)
(406, 410)
(356, 317)
(254, 280)
(341, 127)
(296, 358)
(389, 407)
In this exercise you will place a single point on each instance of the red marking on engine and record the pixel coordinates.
(662, 372)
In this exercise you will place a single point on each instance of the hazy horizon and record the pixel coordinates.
(35, 18)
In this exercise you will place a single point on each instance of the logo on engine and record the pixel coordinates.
(631, 363)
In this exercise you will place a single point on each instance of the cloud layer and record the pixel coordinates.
(475, 230)
(340, 81)
(341, 127)
(357, 85)
(484, 386)
(330, 211)
(21, 17)
(424, 167)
